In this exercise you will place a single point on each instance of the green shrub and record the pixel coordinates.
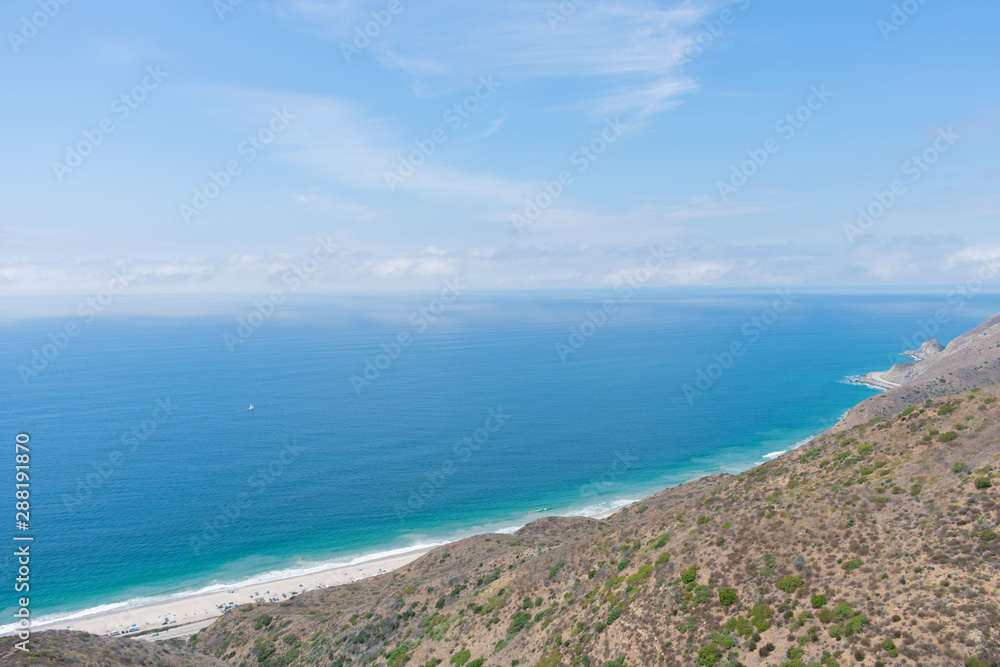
(843, 611)
(740, 625)
(855, 624)
(959, 467)
(461, 657)
(852, 564)
(521, 620)
(825, 616)
(790, 583)
(624, 563)
(987, 535)
(644, 572)
(795, 653)
(709, 655)
(663, 558)
(983, 483)
(947, 437)
(723, 640)
(554, 570)
(890, 648)
(760, 616)
(689, 575)
(728, 596)
(817, 601)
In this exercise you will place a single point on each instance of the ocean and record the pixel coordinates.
(384, 423)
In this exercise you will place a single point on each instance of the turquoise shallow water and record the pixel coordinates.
(150, 478)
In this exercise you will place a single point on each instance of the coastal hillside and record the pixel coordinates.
(970, 360)
(874, 545)
(80, 648)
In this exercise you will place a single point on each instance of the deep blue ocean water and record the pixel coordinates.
(150, 478)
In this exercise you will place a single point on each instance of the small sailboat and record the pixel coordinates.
(250, 409)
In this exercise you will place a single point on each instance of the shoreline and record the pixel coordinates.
(187, 613)
(193, 609)
(197, 607)
(873, 380)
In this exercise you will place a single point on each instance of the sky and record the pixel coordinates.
(215, 145)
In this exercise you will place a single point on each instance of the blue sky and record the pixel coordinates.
(643, 108)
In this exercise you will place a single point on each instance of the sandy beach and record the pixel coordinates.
(874, 380)
(192, 612)
(198, 608)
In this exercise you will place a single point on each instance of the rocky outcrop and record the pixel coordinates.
(925, 351)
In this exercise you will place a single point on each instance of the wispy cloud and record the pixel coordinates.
(695, 260)
(338, 140)
(626, 50)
